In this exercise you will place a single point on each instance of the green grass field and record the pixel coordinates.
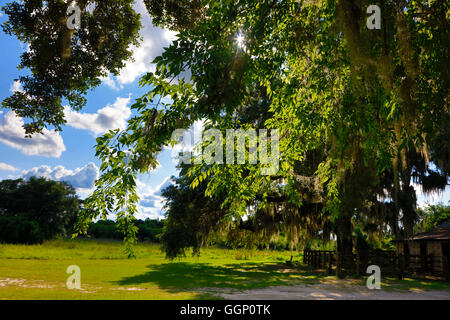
(39, 272)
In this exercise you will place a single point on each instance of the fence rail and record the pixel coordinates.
(320, 259)
(389, 261)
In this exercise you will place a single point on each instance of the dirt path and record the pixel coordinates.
(336, 290)
(330, 290)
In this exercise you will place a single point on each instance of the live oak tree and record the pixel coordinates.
(175, 14)
(62, 63)
(360, 112)
(371, 103)
(191, 218)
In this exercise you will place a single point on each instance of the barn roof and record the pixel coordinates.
(441, 232)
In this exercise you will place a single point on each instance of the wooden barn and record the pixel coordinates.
(428, 252)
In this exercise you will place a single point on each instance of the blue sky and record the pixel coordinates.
(69, 155)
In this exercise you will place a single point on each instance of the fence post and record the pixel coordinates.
(318, 259)
(330, 262)
(447, 267)
(401, 266)
(338, 264)
(315, 259)
(357, 263)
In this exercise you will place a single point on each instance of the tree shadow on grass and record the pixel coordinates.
(184, 276)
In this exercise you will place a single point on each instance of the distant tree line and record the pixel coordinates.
(148, 230)
(432, 216)
(38, 209)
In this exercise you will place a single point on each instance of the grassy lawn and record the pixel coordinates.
(39, 272)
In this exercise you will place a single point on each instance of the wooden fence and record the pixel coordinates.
(320, 259)
(388, 261)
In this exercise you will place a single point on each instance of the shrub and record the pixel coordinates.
(52, 205)
(105, 229)
(18, 229)
(148, 230)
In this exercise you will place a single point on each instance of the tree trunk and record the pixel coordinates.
(344, 257)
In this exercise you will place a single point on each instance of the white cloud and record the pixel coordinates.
(140, 65)
(82, 178)
(47, 144)
(151, 200)
(169, 35)
(109, 81)
(110, 117)
(154, 39)
(191, 138)
(7, 167)
(16, 87)
(426, 198)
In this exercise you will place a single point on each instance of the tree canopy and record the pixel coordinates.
(63, 63)
(48, 207)
(361, 112)
(432, 216)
